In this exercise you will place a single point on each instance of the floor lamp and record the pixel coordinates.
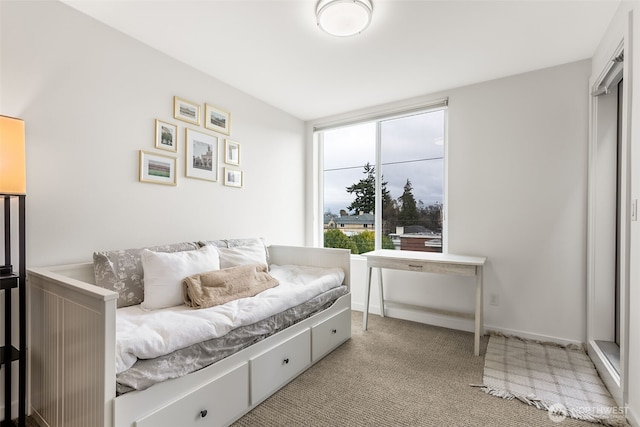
(13, 186)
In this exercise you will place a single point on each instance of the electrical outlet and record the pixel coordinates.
(494, 299)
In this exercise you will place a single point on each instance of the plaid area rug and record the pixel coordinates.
(558, 379)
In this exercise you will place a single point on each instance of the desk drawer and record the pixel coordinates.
(277, 366)
(327, 335)
(423, 266)
(214, 404)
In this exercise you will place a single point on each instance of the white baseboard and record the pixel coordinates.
(373, 309)
(413, 315)
(633, 418)
(607, 372)
(457, 323)
(532, 336)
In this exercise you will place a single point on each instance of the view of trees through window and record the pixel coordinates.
(411, 161)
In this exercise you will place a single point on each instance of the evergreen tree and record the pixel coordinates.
(408, 212)
(365, 192)
(431, 216)
(389, 215)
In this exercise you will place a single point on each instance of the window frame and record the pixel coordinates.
(378, 118)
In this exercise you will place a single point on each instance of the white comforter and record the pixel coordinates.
(148, 334)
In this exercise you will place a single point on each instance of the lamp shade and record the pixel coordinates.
(343, 18)
(13, 176)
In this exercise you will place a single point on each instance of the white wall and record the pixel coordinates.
(89, 96)
(517, 176)
(517, 187)
(517, 169)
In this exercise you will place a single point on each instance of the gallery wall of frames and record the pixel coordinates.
(201, 147)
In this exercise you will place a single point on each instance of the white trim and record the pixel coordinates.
(620, 42)
(377, 118)
(445, 187)
(632, 417)
(610, 73)
(396, 311)
(606, 371)
(393, 113)
(318, 188)
(378, 186)
(413, 314)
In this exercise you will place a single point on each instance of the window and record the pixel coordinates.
(383, 182)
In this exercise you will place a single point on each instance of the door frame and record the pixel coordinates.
(599, 263)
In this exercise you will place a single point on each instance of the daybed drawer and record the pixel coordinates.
(278, 365)
(331, 333)
(214, 404)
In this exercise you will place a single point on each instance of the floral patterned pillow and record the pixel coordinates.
(121, 270)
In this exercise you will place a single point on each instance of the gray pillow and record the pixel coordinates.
(216, 243)
(121, 271)
(254, 242)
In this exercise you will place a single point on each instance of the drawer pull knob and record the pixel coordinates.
(285, 361)
(203, 413)
(415, 266)
(334, 331)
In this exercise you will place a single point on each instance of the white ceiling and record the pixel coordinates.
(273, 50)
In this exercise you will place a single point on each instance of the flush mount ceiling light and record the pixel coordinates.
(343, 18)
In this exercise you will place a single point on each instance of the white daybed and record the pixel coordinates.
(72, 355)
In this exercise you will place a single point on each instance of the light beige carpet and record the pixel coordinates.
(558, 379)
(398, 373)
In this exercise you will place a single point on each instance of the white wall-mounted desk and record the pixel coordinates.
(427, 262)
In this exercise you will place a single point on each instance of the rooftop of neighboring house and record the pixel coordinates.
(362, 218)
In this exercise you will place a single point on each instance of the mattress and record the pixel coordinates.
(146, 372)
(147, 334)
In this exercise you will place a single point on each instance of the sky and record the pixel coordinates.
(412, 147)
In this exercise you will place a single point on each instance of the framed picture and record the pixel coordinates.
(201, 155)
(186, 111)
(157, 168)
(231, 152)
(166, 136)
(232, 177)
(216, 119)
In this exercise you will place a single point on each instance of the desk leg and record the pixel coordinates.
(381, 292)
(479, 314)
(367, 292)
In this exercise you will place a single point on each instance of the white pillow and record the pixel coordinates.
(242, 255)
(164, 271)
